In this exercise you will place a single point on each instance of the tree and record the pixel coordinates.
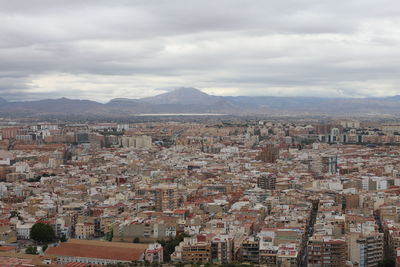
(388, 262)
(63, 238)
(42, 233)
(31, 250)
(109, 236)
(169, 246)
(14, 213)
(35, 179)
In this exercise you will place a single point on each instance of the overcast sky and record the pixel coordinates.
(101, 50)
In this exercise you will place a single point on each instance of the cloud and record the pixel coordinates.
(101, 49)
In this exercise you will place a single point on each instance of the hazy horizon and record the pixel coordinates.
(159, 92)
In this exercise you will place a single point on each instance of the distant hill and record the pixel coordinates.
(183, 96)
(325, 106)
(180, 100)
(61, 106)
(191, 100)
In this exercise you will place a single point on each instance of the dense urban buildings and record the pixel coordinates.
(276, 193)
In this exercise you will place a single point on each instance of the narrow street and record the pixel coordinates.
(386, 251)
(309, 233)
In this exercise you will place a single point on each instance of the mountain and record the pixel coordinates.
(180, 100)
(61, 106)
(191, 100)
(185, 96)
(324, 106)
(393, 98)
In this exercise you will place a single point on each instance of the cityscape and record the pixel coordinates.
(186, 133)
(264, 192)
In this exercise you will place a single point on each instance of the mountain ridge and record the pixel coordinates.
(183, 95)
(192, 100)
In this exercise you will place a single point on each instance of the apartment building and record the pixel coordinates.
(166, 197)
(84, 230)
(222, 249)
(366, 249)
(250, 250)
(267, 181)
(326, 251)
(192, 249)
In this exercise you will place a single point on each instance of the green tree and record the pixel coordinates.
(42, 233)
(31, 250)
(388, 262)
(109, 236)
(63, 238)
(169, 246)
(35, 179)
(14, 213)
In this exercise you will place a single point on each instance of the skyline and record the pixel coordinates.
(99, 50)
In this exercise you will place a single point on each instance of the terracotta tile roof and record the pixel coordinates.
(6, 248)
(8, 262)
(108, 244)
(98, 251)
(180, 211)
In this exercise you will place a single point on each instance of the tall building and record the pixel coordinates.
(351, 201)
(366, 250)
(267, 181)
(56, 159)
(139, 141)
(329, 164)
(166, 197)
(8, 133)
(250, 250)
(222, 249)
(96, 140)
(326, 251)
(269, 154)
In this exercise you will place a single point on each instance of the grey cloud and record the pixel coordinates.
(253, 46)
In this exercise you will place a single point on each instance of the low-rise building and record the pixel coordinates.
(101, 252)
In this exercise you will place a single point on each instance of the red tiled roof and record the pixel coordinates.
(179, 211)
(97, 252)
(9, 262)
(6, 248)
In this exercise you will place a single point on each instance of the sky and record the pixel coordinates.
(101, 49)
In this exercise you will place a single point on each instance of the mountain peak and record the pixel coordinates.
(2, 100)
(183, 95)
(187, 90)
(184, 91)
